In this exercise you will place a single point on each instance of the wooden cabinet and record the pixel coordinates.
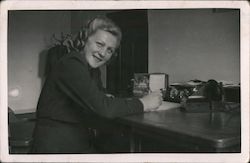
(133, 52)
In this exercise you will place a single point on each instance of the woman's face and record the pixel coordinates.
(99, 48)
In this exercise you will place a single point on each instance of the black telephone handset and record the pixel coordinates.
(213, 90)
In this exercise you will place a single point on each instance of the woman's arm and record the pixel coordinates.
(73, 78)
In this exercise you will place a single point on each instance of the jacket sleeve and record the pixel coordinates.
(73, 79)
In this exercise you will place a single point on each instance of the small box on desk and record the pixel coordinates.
(231, 93)
(195, 104)
(201, 104)
(147, 82)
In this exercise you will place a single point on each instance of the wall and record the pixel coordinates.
(29, 35)
(194, 44)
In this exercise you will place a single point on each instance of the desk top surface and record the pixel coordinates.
(218, 129)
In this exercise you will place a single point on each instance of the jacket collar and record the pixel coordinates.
(83, 59)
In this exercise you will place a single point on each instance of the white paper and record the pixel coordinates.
(168, 105)
(156, 82)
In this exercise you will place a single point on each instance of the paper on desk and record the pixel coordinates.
(168, 105)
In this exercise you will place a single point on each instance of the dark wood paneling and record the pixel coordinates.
(133, 52)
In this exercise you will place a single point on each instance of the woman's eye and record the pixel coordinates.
(99, 44)
(110, 51)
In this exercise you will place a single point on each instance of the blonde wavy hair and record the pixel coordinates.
(98, 23)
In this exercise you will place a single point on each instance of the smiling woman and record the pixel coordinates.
(72, 99)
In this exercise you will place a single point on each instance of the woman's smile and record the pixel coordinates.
(97, 57)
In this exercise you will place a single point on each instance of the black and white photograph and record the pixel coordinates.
(124, 81)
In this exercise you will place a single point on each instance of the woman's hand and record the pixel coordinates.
(151, 101)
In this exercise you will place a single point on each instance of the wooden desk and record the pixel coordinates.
(190, 132)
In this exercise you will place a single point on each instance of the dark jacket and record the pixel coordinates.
(70, 103)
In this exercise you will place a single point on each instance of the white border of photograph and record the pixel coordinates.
(163, 157)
